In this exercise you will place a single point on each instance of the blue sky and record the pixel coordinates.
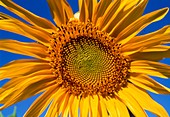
(40, 8)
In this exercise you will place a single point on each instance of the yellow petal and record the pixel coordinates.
(84, 15)
(121, 109)
(27, 92)
(91, 4)
(64, 107)
(28, 16)
(14, 25)
(132, 103)
(147, 43)
(115, 12)
(84, 106)
(146, 101)
(164, 30)
(16, 95)
(151, 68)
(27, 87)
(80, 4)
(110, 13)
(41, 103)
(57, 11)
(102, 108)
(111, 107)
(159, 48)
(61, 11)
(155, 53)
(53, 109)
(147, 83)
(118, 24)
(68, 10)
(74, 107)
(67, 110)
(116, 108)
(100, 9)
(133, 29)
(94, 100)
(13, 82)
(91, 7)
(30, 49)
(22, 67)
(60, 104)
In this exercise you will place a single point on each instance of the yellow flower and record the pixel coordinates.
(95, 63)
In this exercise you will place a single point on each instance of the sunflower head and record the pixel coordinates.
(87, 61)
(95, 64)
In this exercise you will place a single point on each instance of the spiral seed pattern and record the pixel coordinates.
(87, 61)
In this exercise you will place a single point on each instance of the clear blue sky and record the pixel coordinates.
(40, 8)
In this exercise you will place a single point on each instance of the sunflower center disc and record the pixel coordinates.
(88, 65)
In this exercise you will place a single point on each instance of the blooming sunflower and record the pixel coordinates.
(88, 64)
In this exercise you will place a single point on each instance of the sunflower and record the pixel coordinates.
(92, 63)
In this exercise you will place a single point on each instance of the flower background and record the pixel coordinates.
(41, 8)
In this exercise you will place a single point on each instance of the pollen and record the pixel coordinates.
(87, 61)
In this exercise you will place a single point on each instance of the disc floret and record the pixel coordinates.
(87, 61)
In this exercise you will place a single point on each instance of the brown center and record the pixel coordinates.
(86, 61)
